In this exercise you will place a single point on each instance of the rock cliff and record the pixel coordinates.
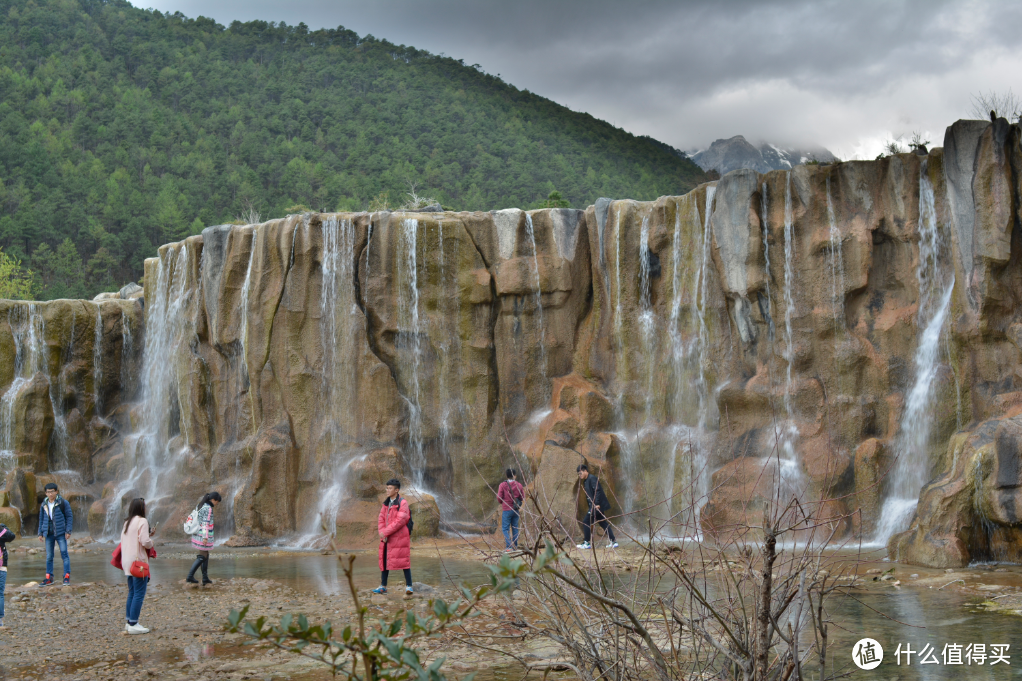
(847, 333)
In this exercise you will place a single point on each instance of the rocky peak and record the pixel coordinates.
(725, 155)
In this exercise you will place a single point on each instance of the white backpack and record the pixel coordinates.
(192, 522)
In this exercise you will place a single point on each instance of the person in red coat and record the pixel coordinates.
(395, 542)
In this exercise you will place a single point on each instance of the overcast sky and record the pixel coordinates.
(848, 75)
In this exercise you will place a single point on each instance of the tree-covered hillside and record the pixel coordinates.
(122, 129)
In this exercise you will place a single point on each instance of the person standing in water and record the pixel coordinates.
(395, 541)
(203, 539)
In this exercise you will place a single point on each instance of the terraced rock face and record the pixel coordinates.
(845, 333)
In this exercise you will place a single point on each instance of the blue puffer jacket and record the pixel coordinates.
(63, 519)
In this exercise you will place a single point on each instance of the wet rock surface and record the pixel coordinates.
(767, 331)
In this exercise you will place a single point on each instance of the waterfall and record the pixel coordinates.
(765, 207)
(28, 329)
(619, 342)
(647, 318)
(166, 328)
(340, 320)
(789, 297)
(700, 458)
(531, 234)
(410, 337)
(58, 442)
(97, 364)
(246, 288)
(837, 266)
(127, 359)
(936, 284)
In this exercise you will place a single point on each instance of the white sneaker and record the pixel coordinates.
(584, 545)
(137, 629)
(612, 545)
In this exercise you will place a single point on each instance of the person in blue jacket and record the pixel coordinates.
(5, 536)
(56, 523)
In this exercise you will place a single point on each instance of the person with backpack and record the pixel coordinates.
(598, 507)
(202, 537)
(5, 536)
(56, 523)
(395, 526)
(136, 540)
(510, 493)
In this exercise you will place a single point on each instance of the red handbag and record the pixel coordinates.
(140, 569)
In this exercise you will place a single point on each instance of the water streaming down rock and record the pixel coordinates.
(29, 359)
(128, 357)
(789, 295)
(765, 211)
(410, 338)
(340, 323)
(936, 284)
(167, 326)
(530, 233)
(700, 460)
(691, 335)
(837, 266)
(97, 363)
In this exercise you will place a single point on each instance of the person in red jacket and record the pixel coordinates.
(510, 493)
(395, 542)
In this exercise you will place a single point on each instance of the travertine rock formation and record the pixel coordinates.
(846, 333)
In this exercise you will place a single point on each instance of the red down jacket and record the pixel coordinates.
(393, 524)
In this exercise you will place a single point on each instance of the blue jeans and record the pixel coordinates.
(62, 543)
(509, 526)
(136, 595)
(3, 586)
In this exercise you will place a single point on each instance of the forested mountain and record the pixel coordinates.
(121, 129)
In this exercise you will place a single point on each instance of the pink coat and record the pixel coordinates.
(393, 524)
(134, 542)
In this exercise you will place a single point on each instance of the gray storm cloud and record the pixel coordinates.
(847, 75)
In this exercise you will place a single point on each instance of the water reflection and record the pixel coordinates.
(302, 571)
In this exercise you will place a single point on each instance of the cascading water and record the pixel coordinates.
(936, 284)
(340, 319)
(167, 327)
(786, 433)
(647, 317)
(97, 363)
(789, 296)
(837, 266)
(538, 297)
(409, 337)
(127, 359)
(28, 329)
(246, 289)
(765, 206)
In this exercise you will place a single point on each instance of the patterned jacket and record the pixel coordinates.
(63, 518)
(203, 539)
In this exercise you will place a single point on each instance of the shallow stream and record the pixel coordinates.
(917, 616)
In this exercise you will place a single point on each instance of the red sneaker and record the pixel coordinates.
(47, 581)
(67, 579)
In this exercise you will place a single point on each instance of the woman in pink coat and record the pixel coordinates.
(395, 543)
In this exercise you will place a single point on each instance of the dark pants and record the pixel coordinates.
(595, 515)
(384, 574)
(509, 525)
(136, 595)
